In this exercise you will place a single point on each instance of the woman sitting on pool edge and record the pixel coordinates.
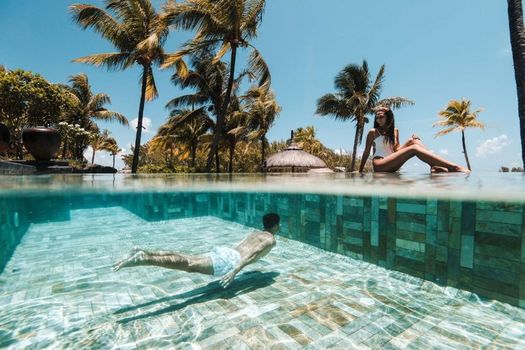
(389, 156)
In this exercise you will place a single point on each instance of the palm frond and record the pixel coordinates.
(224, 48)
(112, 61)
(395, 102)
(186, 100)
(151, 88)
(446, 131)
(88, 16)
(259, 67)
(110, 116)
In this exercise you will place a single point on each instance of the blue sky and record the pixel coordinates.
(434, 51)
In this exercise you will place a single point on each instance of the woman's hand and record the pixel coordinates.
(415, 137)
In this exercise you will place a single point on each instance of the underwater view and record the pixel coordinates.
(342, 274)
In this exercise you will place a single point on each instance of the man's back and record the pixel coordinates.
(259, 243)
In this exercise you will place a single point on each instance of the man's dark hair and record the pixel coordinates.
(4, 133)
(270, 220)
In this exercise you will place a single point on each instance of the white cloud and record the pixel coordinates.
(506, 51)
(492, 146)
(443, 151)
(104, 158)
(341, 151)
(146, 124)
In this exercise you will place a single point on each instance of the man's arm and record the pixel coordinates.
(260, 250)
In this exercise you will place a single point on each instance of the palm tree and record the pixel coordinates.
(356, 98)
(187, 133)
(90, 106)
(457, 117)
(228, 23)
(517, 40)
(114, 150)
(306, 139)
(235, 127)
(262, 111)
(101, 142)
(134, 28)
(208, 79)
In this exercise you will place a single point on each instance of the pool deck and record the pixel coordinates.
(58, 290)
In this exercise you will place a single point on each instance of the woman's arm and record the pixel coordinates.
(396, 136)
(366, 152)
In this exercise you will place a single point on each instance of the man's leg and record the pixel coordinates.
(169, 260)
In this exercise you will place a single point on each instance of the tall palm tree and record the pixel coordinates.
(228, 23)
(517, 40)
(133, 27)
(234, 128)
(209, 81)
(207, 78)
(356, 97)
(262, 111)
(457, 117)
(90, 106)
(101, 142)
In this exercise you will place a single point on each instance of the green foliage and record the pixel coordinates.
(27, 99)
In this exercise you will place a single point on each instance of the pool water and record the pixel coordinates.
(58, 291)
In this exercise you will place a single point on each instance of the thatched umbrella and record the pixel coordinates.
(294, 157)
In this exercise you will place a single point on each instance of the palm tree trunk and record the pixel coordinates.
(517, 40)
(193, 153)
(263, 152)
(93, 156)
(135, 163)
(217, 164)
(465, 148)
(232, 152)
(114, 161)
(222, 112)
(354, 151)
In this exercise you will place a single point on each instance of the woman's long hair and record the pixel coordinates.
(389, 127)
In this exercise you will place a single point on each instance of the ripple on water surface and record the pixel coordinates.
(58, 291)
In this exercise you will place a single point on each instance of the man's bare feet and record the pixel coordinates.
(438, 169)
(134, 259)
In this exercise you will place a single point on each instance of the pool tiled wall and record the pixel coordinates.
(13, 224)
(476, 246)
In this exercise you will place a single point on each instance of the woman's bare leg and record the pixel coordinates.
(395, 160)
(169, 260)
(433, 168)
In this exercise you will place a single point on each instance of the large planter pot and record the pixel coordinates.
(42, 143)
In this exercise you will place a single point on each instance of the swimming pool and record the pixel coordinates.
(391, 285)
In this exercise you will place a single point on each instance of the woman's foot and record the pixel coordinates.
(438, 169)
(460, 169)
(134, 259)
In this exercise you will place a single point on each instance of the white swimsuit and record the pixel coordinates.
(224, 259)
(382, 148)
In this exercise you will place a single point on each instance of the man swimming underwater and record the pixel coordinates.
(221, 261)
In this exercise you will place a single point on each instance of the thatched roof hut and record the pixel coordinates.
(294, 157)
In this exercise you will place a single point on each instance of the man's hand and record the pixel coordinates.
(228, 278)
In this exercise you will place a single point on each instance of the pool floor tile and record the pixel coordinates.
(58, 290)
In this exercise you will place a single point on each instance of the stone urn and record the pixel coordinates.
(41, 142)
